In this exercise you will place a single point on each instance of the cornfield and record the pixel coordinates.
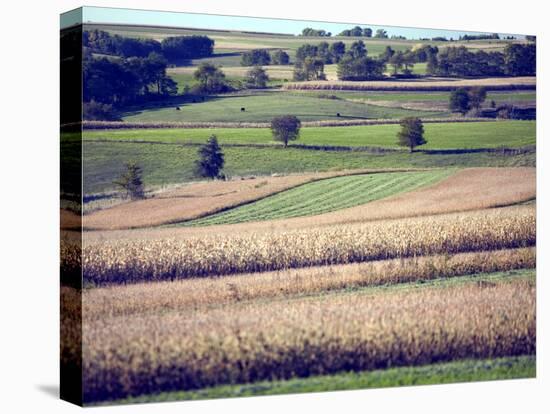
(192, 294)
(130, 261)
(129, 356)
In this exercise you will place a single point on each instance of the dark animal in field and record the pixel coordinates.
(242, 109)
(177, 108)
(338, 114)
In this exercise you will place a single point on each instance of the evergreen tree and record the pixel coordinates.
(211, 159)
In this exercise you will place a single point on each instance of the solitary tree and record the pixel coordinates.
(211, 159)
(459, 101)
(131, 181)
(285, 128)
(411, 134)
(256, 77)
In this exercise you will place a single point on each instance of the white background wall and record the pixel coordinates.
(29, 205)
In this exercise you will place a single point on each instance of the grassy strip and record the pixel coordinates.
(166, 164)
(444, 373)
(472, 135)
(324, 196)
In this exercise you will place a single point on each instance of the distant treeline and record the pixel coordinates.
(515, 60)
(354, 64)
(493, 36)
(356, 31)
(172, 48)
(308, 31)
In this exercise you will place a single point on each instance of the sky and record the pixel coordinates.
(212, 21)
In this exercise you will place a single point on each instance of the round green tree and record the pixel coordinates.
(285, 128)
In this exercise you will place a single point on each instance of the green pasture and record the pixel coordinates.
(262, 107)
(451, 135)
(163, 164)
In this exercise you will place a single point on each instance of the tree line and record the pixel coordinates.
(172, 48)
(359, 31)
(354, 63)
(126, 80)
(515, 60)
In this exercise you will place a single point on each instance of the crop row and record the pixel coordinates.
(192, 294)
(130, 261)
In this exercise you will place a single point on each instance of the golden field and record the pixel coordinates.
(130, 261)
(240, 343)
(442, 273)
(192, 294)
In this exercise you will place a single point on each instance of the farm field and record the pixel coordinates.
(203, 258)
(386, 317)
(228, 253)
(199, 198)
(471, 135)
(168, 164)
(427, 101)
(261, 107)
(325, 196)
(497, 96)
(167, 155)
(469, 189)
